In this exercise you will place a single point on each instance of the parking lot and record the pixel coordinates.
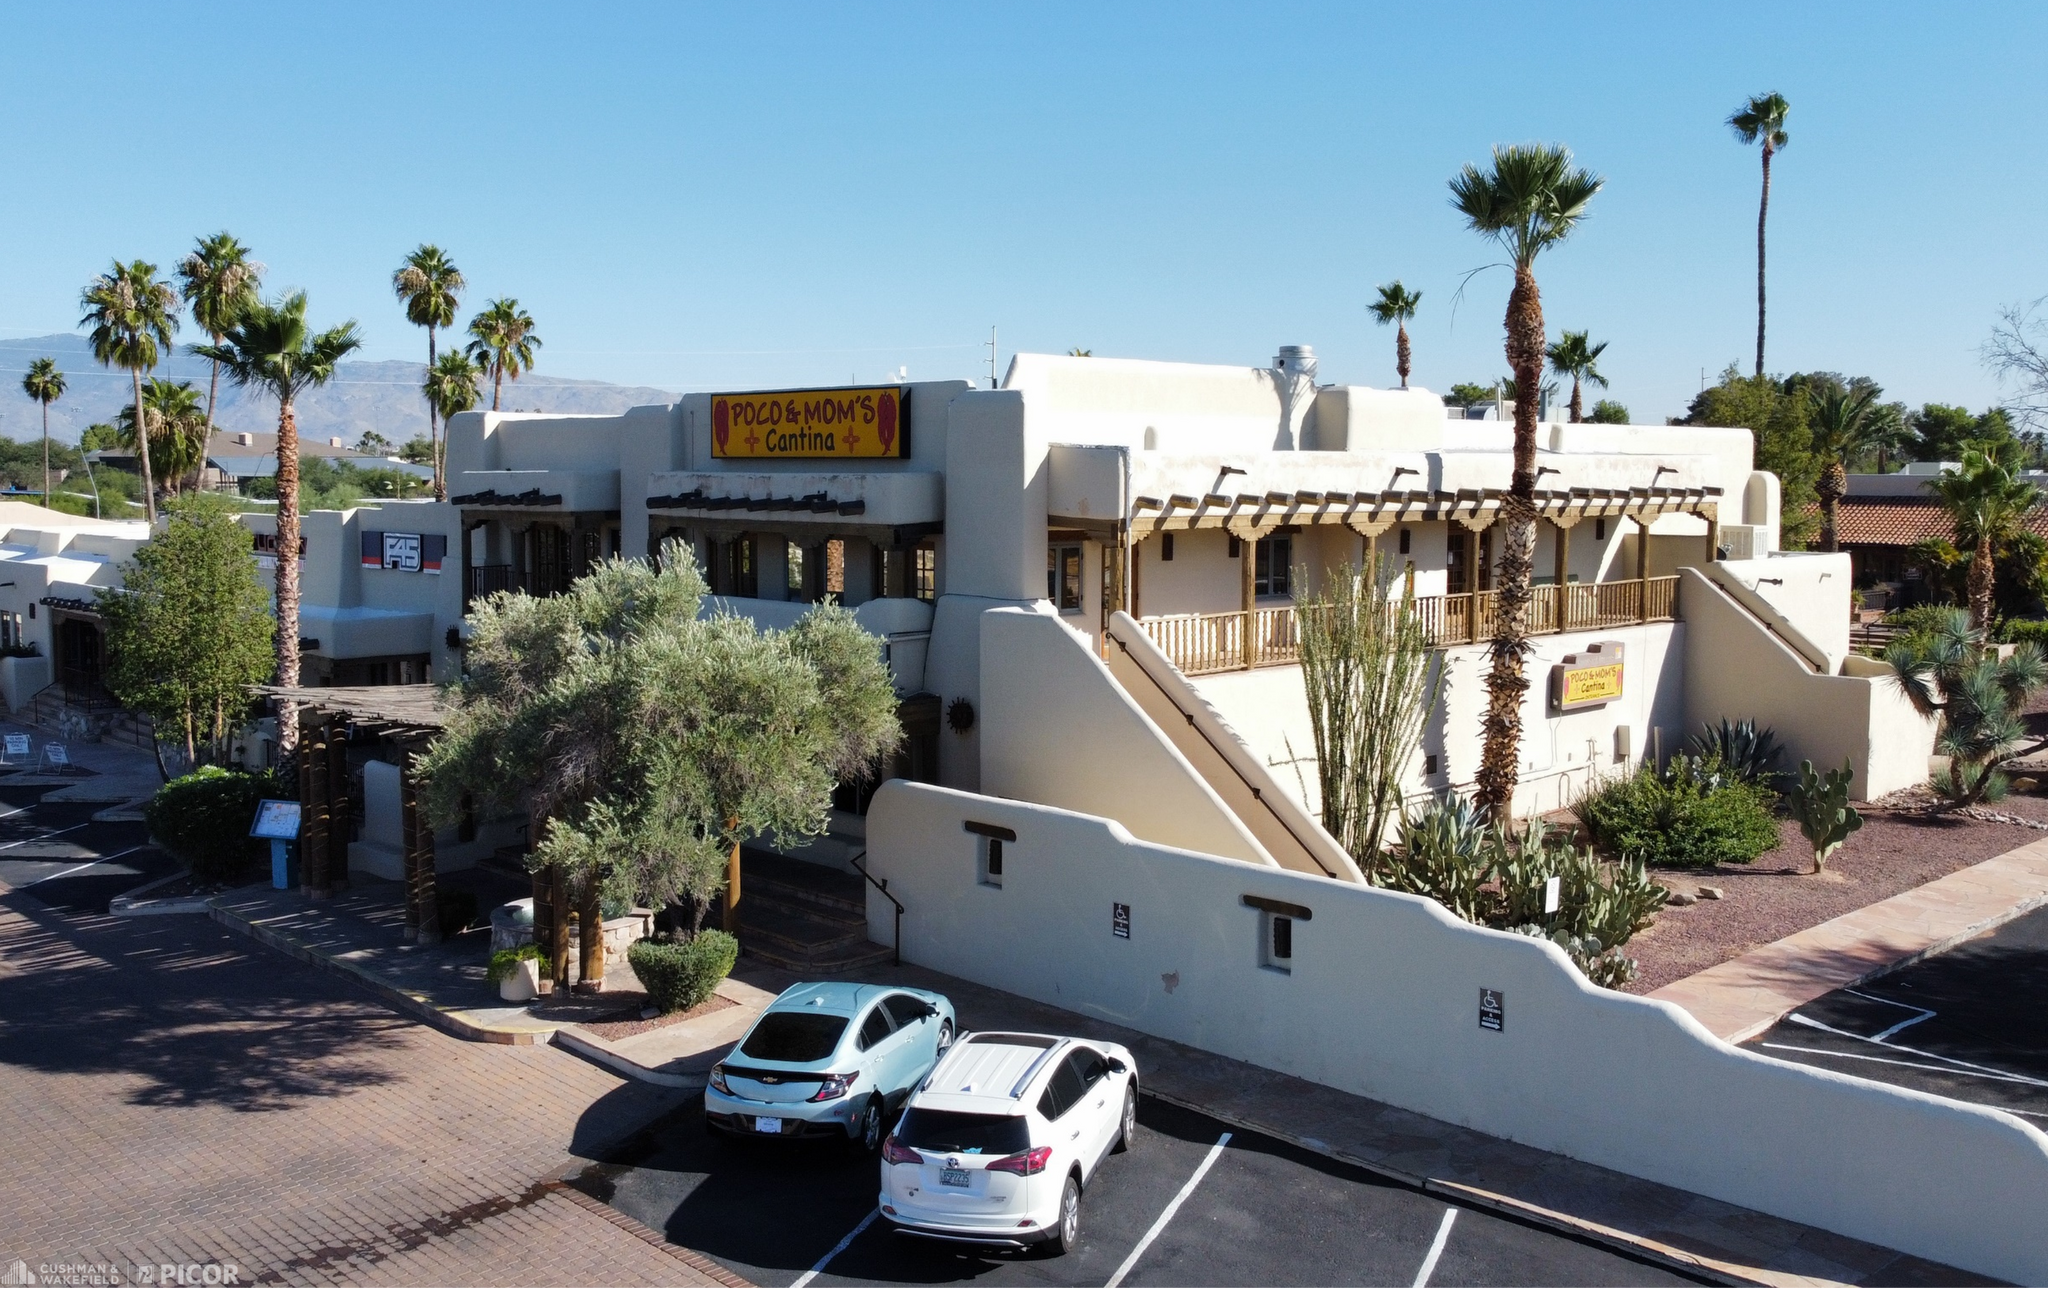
(67, 861)
(1263, 1213)
(1966, 1024)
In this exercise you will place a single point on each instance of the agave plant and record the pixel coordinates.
(1951, 673)
(1751, 754)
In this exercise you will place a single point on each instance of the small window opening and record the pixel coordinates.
(992, 861)
(1236, 548)
(1063, 578)
(1406, 539)
(1166, 548)
(1276, 942)
(1599, 530)
(1429, 762)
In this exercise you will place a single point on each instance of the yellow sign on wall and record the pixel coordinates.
(1587, 679)
(871, 422)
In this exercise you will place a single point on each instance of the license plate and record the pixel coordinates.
(952, 1177)
(763, 1123)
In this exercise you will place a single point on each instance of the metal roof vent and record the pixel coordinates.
(1297, 360)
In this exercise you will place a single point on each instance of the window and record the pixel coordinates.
(1276, 942)
(1062, 1092)
(1273, 566)
(1236, 549)
(953, 1132)
(1166, 548)
(1063, 578)
(874, 1029)
(1405, 541)
(991, 861)
(1429, 763)
(1600, 530)
(795, 580)
(905, 1010)
(795, 1036)
(924, 574)
(1088, 1066)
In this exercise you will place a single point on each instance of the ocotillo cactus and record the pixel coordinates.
(1821, 805)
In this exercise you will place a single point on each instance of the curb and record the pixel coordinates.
(131, 904)
(415, 1005)
(635, 1227)
(583, 1043)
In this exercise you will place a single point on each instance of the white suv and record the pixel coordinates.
(997, 1143)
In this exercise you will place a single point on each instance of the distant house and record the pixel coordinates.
(231, 459)
(1885, 515)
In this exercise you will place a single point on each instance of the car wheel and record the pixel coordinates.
(1068, 1233)
(1127, 1131)
(868, 1138)
(945, 1036)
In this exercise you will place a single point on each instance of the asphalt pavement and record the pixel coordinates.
(1967, 1024)
(1264, 1213)
(55, 852)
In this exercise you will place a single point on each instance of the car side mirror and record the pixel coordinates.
(1116, 1066)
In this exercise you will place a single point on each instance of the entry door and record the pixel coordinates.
(78, 644)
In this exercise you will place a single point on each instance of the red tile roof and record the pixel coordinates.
(1902, 521)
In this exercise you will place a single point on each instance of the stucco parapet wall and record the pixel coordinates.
(579, 490)
(886, 498)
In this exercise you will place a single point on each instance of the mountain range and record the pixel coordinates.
(380, 396)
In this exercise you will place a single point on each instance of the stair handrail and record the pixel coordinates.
(882, 885)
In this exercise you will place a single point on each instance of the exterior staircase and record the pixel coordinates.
(804, 917)
(110, 721)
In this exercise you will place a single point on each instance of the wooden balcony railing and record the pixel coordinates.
(1211, 642)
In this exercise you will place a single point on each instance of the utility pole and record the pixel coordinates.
(992, 357)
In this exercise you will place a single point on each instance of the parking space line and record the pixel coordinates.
(45, 836)
(1208, 1162)
(1436, 1248)
(51, 877)
(1984, 1070)
(837, 1249)
(1883, 1034)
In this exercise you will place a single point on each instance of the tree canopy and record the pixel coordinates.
(646, 741)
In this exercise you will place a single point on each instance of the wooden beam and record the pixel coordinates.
(1248, 595)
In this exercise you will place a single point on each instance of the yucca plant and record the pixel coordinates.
(1950, 673)
(1742, 749)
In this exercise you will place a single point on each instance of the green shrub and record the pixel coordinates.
(1693, 815)
(2025, 631)
(204, 819)
(679, 976)
(506, 961)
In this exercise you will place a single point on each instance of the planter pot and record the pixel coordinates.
(523, 985)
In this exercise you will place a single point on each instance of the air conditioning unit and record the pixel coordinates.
(1741, 541)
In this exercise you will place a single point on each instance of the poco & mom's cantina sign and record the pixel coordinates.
(799, 423)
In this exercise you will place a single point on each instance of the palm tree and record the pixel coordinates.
(271, 348)
(502, 343)
(177, 429)
(1530, 200)
(1397, 304)
(1762, 120)
(451, 387)
(429, 283)
(45, 384)
(1988, 502)
(1574, 355)
(1844, 426)
(132, 313)
(219, 281)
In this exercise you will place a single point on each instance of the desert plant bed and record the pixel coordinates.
(627, 1021)
(1906, 841)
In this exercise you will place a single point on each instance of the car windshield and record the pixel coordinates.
(964, 1134)
(798, 1037)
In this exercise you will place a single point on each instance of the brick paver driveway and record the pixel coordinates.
(172, 1093)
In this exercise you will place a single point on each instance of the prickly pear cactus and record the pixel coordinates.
(1821, 805)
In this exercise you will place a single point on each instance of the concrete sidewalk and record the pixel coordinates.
(1745, 996)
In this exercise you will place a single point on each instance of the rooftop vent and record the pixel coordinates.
(246, 440)
(334, 443)
(1297, 360)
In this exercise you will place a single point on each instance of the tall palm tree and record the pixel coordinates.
(132, 313)
(1574, 355)
(271, 348)
(1844, 426)
(1762, 120)
(451, 386)
(1988, 503)
(430, 284)
(502, 343)
(177, 429)
(218, 281)
(45, 384)
(1397, 304)
(1529, 200)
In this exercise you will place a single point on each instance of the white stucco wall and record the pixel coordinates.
(1382, 1001)
(1735, 668)
(1809, 592)
(1057, 728)
(996, 484)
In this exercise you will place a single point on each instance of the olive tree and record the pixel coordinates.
(647, 742)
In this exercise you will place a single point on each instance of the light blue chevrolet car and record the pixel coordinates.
(829, 1060)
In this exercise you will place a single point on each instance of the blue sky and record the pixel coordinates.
(718, 196)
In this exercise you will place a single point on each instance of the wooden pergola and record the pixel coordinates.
(330, 717)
